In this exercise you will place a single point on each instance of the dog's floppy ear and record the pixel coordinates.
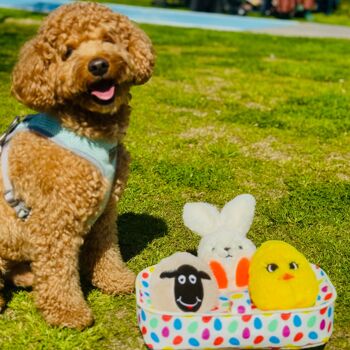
(139, 47)
(32, 78)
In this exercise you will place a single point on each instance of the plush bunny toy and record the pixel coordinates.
(224, 245)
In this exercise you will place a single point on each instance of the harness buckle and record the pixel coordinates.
(22, 211)
(11, 199)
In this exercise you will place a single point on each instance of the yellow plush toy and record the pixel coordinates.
(281, 278)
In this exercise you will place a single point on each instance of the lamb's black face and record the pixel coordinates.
(188, 288)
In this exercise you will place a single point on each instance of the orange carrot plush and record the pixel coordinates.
(224, 245)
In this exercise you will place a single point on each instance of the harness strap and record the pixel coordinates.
(99, 153)
(22, 211)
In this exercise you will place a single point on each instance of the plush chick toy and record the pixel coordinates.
(281, 278)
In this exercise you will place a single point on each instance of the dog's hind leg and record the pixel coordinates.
(101, 260)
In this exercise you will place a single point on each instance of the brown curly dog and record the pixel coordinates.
(78, 69)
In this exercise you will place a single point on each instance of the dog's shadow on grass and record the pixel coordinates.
(135, 231)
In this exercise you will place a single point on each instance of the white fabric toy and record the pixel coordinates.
(224, 244)
(183, 283)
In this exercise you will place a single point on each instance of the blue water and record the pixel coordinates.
(160, 16)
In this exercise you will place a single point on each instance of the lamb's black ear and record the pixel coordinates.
(168, 274)
(203, 275)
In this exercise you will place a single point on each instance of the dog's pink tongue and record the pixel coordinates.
(104, 95)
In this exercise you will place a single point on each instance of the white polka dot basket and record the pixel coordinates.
(238, 324)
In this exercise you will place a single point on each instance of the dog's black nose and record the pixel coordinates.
(98, 66)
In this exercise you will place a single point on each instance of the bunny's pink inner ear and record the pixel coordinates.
(219, 273)
(242, 272)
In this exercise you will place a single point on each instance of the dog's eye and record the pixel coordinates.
(67, 53)
(108, 39)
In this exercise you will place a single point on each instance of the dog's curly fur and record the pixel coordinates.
(64, 190)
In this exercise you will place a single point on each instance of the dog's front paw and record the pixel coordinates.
(72, 316)
(116, 282)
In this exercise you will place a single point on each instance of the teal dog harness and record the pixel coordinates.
(100, 153)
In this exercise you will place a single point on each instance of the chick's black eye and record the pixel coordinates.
(67, 53)
(271, 267)
(293, 265)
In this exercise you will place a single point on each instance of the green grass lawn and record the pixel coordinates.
(224, 114)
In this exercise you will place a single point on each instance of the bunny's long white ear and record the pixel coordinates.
(238, 214)
(201, 218)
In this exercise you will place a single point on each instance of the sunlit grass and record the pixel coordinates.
(225, 113)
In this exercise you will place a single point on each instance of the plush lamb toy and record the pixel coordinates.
(183, 282)
(224, 245)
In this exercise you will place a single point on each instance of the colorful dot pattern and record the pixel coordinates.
(237, 324)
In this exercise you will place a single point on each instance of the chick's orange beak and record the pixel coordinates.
(287, 276)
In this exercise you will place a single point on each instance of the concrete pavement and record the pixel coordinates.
(189, 19)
